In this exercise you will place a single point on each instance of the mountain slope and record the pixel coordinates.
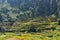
(34, 8)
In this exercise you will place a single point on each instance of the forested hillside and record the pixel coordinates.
(29, 15)
(34, 8)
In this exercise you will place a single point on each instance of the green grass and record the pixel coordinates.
(28, 36)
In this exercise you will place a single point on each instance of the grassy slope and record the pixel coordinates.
(27, 36)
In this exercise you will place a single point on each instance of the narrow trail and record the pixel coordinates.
(11, 39)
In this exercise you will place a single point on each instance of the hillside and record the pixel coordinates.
(34, 8)
(20, 14)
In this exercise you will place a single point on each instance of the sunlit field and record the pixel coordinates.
(30, 36)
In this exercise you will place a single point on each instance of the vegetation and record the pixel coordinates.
(29, 19)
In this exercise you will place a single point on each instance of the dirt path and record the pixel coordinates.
(11, 39)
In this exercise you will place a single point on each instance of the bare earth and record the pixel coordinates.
(11, 39)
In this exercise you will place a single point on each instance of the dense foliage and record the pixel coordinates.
(29, 15)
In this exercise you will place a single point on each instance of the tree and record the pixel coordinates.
(11, 22)
(2, 29)
(32, 28)
(1, 18)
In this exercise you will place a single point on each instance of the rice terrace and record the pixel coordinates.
(29, 19)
